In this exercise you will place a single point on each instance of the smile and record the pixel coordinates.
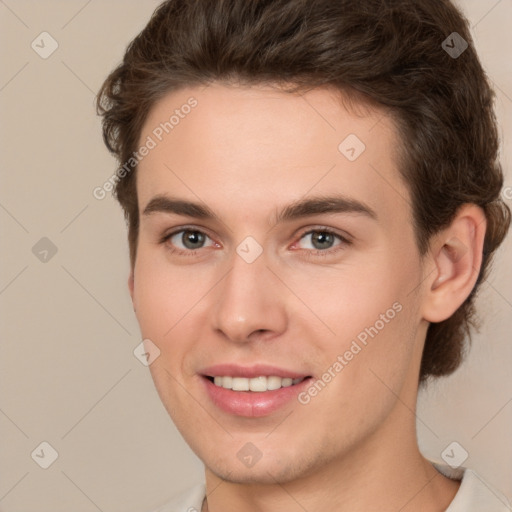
(257, 384)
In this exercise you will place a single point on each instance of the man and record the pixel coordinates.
(313, 197)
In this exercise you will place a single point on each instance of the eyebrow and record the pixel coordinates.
(296, 210)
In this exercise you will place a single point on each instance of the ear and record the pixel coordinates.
(456, 255)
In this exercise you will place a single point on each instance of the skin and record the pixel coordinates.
(246, 153)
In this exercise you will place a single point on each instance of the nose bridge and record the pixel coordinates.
(246, 300)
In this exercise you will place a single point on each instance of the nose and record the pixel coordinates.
(250, 302)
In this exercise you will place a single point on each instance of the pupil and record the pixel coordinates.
(322, 237)
(192, 239)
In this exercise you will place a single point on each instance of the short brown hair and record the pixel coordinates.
(390, 52)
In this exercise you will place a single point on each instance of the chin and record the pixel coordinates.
(261, 476)
(263, 472)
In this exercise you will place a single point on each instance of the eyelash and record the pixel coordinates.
(309, 253)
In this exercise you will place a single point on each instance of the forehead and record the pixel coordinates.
(258, 147)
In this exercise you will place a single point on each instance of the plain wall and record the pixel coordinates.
(67, 369)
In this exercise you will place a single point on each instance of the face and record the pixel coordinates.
(277, 276)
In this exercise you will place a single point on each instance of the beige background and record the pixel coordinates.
(68, 373)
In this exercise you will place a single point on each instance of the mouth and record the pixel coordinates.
(252, 392)
(258, 384)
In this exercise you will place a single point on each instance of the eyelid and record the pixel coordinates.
(178, 229)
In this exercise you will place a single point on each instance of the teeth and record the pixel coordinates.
(226, 382)
(286, 383)
(273, 383)
(257, 384)
(240, 384)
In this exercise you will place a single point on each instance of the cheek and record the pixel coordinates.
(171, 304)
(363, 378)
(161, 297)
(347, 300)
(369, 318)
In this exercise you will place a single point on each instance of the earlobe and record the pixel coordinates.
(457, 255)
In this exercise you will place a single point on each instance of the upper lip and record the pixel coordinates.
(249, 372)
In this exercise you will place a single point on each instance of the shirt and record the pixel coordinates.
(474, 495)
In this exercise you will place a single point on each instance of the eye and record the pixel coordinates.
(187, 240)
(323, 241)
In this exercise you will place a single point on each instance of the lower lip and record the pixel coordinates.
(252, 404)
